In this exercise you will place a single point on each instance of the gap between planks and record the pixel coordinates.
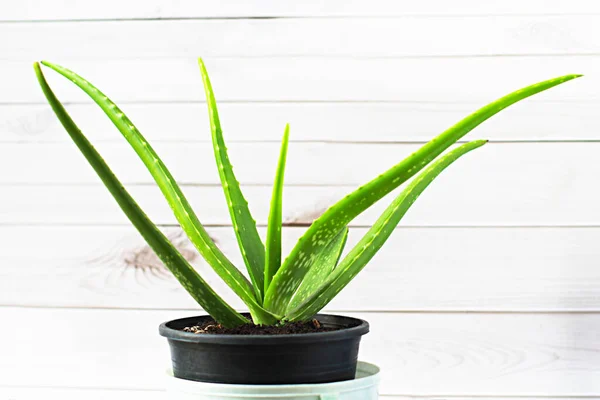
(333, 310)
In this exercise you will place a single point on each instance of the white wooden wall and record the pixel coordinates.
(491, 286)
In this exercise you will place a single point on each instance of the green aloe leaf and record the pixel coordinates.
(325, 263)
(273, 256)
(302, 256)
(251, 246)
(368, 246)
(174, 196)
(167, 253)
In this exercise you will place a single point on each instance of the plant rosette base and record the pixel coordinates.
(364, 386)
(305, 358)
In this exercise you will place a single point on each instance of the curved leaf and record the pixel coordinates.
(368, 246)
(167, 253)
(301, 258)
(252, 248)
(174, 196)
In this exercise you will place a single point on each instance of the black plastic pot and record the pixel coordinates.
(266, 359)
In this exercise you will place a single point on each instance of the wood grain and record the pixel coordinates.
(447, 80)
(445, 203)
(65, 10)
(495, 267)
(531, 120)
(420, 354)
(500, 184)
(524, 168)
(419, 269)
(355, 37)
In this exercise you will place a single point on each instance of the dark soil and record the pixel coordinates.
(292, 328)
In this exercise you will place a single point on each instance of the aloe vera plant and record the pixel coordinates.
(315, 271)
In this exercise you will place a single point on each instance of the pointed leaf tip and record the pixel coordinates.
(158, 242)
(273, 249)
(172, 192)
(283, 287)
(373, 240)
(249, 241)
(38, 71)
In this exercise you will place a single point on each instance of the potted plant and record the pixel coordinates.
(282, 339)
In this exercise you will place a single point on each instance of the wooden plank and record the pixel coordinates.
(101, 394)
(500, 185)
(309, 164)
(470, 79)
(338, 122)
(420, 354)
(536, 198)
(515, 178)
(111, 9)
(355, 37)
(449, 269)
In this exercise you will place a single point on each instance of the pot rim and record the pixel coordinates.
(358, 327)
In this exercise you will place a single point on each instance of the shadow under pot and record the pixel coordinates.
(319, 357)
